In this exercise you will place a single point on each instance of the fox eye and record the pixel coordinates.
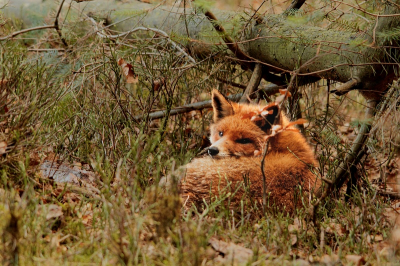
(244, 141)
(220, 133)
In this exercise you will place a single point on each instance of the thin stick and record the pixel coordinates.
(390, 194)
(290, 86)
(57, 27)
(12, 35)
(264, 178)
(253, 83)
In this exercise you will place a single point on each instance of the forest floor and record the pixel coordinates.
(79, 170)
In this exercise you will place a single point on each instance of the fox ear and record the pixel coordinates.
(221, 106)
(269, 116)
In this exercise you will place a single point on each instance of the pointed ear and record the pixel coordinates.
(221, 106)
(269, 116)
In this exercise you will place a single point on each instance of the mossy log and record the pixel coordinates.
(276, 41)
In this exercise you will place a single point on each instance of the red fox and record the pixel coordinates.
(238, 136)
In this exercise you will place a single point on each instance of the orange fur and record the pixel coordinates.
(238, 137)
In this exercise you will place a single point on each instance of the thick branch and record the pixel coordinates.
(57, 27)
(296, 4)
(390, 194)
(253, 83)
(268, 90)
(346, 87)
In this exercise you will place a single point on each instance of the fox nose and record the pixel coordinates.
(213, 151)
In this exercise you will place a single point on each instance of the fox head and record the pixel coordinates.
(235, 132)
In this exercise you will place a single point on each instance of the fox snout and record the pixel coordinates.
(213, 151)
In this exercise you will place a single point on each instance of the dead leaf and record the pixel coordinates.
(391, 214)
(158, 83)
(51, 211)
(285, 91)
(293, 228)
(293, 239)
(231, 252)
(333, 228)
(127, 69)
(279, 99)
(297, 122)
(355, 259)
(386, 252)
(378, 238)
(3, 147)
(329, 260)
(301, 262)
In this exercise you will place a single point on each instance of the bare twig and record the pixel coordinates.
(55, 26)
(365, 11)
(102, 34)
(289, 88)
(12, 35)
(253, 83)
(264, 179)
(47, 50)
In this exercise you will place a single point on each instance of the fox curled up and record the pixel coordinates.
(232, 166)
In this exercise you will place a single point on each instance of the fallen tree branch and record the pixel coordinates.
(268, 90)
(253, 83)
(358, 143)
(389, 194)
(343, 169)
(346, 87)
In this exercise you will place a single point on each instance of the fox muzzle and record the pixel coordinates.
(213, 151)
